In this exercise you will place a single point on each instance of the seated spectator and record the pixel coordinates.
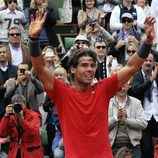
(90, 12)
(95, 32)
(131, 49)
(22, 125)
(126, 35)
(126, 122)
(9, 17)
(17, 51)
(47, 34)
(8, 73)
(104, 62)
(126, 7)
(26, 85)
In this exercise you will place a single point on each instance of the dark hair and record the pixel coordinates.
(74, 59)
(84, 4)
(100, 41)
(6, 2)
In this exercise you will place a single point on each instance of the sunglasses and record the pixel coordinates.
(131, 51)
(13, 34)
(98, 47)
(80, 43)
(10, 1)
(3, 52)
(127, 20)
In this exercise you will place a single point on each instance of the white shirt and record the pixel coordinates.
(151, 108)
(16, 55)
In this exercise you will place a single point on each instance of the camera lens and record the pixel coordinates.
(17, 108)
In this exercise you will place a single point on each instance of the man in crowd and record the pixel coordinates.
(17, 51)
(26, 85)
(126, 122)
(7, 74)
(22, 125)
(145, 88)
(83, 108)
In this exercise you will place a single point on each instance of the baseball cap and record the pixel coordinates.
(127, 15)
(81, 38)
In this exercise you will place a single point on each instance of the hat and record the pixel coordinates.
(81, 38)
(127, 15)
(49, 54)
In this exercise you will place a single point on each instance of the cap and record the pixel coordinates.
(49, 54)
(127, 15)
(81, 38)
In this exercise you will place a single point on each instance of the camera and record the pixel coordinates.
(22, 71)
(17, 108)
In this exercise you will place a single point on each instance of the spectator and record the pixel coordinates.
(125, 36)
(126, 7)
(89, 12)
(23, 129)
(80, 42)
(95, 32)
(25, 85)
(70, 11)
(104, 62)
(47, 34)
(145, 88)
(107, 6)
(126, 122)
(83, 108)
(145, 6)
(7, 73)
(19, 6)
(9, 17)
(131, 49)
(17, 51)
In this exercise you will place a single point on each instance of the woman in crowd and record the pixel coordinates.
(89, 12)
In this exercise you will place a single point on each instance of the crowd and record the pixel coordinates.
(101, 96)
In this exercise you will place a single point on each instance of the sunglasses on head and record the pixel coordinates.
(10, 1)
(13, 34)
(131, 51)
(98, 47)
(127, 20)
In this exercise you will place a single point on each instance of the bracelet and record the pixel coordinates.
(144, 50)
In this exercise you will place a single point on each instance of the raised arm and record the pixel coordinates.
(136, 61)
(35, 27)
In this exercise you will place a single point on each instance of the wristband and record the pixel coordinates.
(144, 50)
(35, 49)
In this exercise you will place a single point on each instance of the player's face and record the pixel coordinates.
(14, 37)
(85, 71)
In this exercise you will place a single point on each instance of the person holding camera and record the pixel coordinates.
(26, 85)
(22, 125)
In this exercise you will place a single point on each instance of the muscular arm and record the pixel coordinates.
(44, 74)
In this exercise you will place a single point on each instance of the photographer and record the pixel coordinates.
(22, 125)
(26, 85)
